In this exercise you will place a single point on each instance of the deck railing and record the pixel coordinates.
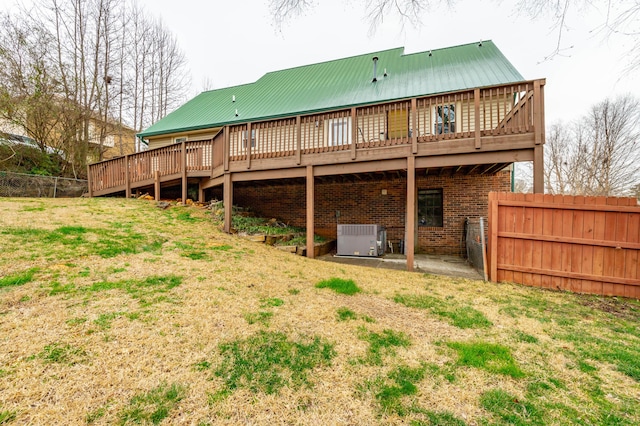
(469, 114)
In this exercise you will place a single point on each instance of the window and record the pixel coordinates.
(398, 122)
(430, 207)
(445, 119)
(253, 138)
(339, 131)
(180, 140)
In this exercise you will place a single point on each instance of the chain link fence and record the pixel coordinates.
(476, 250)
(23, 185)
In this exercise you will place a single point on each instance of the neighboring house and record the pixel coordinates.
(412, 142)
(118, 140)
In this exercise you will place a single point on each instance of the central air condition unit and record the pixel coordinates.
(361, 240)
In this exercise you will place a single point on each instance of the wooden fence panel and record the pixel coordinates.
(574, 243)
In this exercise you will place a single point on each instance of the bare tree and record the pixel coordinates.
(93, 66)
(598, 154)
(28, 82)
(621, 17)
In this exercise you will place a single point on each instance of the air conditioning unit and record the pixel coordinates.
(361, 240)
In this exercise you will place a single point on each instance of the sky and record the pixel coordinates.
(228, 43)
(236, 42)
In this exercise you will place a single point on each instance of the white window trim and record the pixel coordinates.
(457, 122)
(341, 136)
(254, 138)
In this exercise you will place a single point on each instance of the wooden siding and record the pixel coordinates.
(505, 120)
(580, 244)
(165, 140)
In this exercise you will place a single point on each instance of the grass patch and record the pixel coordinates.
(487, 356)
(7, 416)
(403, 383)
(271, 302)
(142, 290)
(104, 320)
(195, 255)
(393, 395)
(458, 315)
(59, 288)
(439, 419)
(62, 354)
(95, 415)
(262, 317)
(623, 352)
(345, 314)
(340, 286)
(509, 409)
(76, 321)
(186, 217)
(524, 337)
(382, 344)
(76, 241)
(153, 406)
(268, 361)
(19, 278)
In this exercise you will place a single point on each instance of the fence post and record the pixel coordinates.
(493, 236)
(55, 186)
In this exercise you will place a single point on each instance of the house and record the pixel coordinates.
(105, 139)
(109, 139)
(413, 142)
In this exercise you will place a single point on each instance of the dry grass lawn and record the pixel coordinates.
(115, 312)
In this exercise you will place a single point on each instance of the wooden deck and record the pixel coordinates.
(482, 129)
(492, 125)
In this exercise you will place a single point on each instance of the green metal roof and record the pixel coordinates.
(343, 83)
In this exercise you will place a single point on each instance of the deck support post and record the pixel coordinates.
(156, 185)
(410, 224)
(184, 173)
(127, 177)
(89, 182)
(227, 199)
(310, 212)
(538, 169)
(200, 192)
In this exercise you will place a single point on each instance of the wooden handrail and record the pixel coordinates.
(465, 114)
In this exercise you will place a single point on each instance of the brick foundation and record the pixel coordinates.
(364, 202)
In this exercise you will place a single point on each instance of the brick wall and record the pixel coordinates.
(364, 202)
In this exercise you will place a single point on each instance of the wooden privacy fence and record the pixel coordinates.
(580, 244)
